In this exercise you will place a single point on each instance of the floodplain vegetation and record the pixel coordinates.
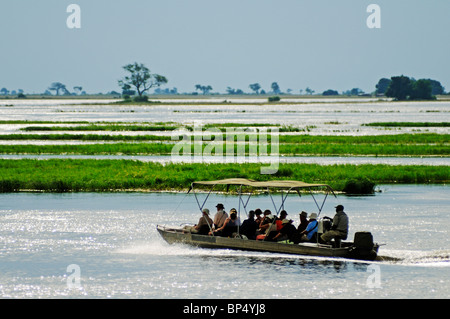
(88, 175)
(96, 175)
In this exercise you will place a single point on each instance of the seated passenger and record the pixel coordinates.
(268, 228)
(309, 234)
(339, 228)
(279, 221)
(230, 225)
(265, 223)
(220, 216)
(203, 226)
(249, 226)
(287, 232)
(303, 222)
(258, 219)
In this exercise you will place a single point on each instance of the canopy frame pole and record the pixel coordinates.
(246, 203)
(239, 208)
(310, 191)
(204, 202)
(283, 200)
(323, 202)
(273, 202)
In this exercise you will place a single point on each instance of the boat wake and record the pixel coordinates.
(159, 247)
(439, 258)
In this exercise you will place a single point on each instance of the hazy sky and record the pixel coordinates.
(321, 44)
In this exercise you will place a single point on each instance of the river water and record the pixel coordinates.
(319, 116)
(109, 242)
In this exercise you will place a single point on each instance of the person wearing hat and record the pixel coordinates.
(339, 228)
(311, 229)
(220, 216)
(230, 225)
(303, 222)
(204, 224)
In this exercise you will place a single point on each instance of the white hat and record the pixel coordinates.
(312, 216)
(206, 211)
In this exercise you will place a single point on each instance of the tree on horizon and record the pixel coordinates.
(140, 78)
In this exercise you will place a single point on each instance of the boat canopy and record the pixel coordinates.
(289, 184)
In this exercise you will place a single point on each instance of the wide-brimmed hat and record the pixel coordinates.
(303, 213)
(205, 211)
(313, 216)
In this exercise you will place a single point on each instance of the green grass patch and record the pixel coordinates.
(409, 124)
(158, 147)
(117, 175)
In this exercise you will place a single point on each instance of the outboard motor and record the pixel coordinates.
(363, 246)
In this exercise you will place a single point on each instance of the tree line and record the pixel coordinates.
(403, 88)
(139, 80)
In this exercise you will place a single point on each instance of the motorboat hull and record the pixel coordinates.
(174, 235)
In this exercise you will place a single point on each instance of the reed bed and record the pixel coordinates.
(158, 147)
(69, 175)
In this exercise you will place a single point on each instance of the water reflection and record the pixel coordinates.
(276, 263)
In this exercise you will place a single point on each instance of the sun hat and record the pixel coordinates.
(313, 216)
(205, 211)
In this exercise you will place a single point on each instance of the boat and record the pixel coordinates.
(361, 248)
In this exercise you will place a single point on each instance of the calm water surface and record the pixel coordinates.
(112, 239)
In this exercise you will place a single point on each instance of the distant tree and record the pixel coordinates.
(382, 85)
(4, 91)
(436, 87)
(77, 89)
(57, 87)
(354, 91)
(330, 92)
(309, 91)
(204, 88)
(403, 88)
(234, 91)
(140, 78)
(275, 88)
(255, 87)
(421, 90)
(399, 88)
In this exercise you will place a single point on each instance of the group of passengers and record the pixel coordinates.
(265, 226)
